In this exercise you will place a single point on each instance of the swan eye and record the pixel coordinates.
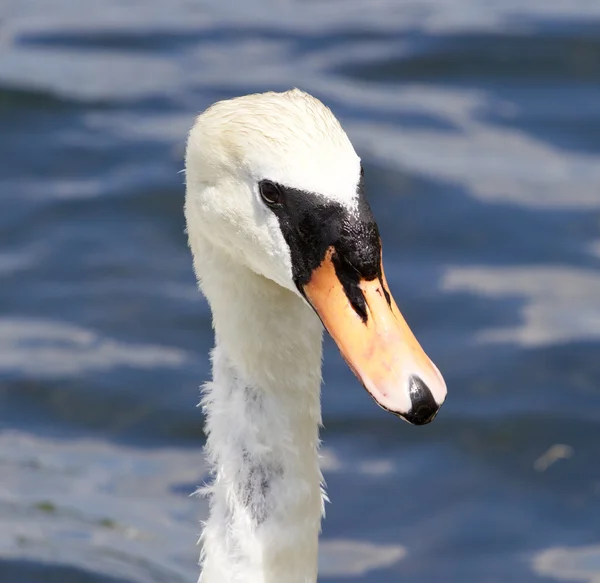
(270, 192)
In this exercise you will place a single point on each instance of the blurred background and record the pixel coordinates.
(479, 126)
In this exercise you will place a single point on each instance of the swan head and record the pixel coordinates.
(273, 180)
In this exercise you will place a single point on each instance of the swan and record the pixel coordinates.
(284, 244)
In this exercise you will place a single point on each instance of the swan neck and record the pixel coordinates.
(263, 414)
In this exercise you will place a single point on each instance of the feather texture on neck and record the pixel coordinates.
(262, 419)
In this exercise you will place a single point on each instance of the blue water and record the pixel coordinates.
(479, 127)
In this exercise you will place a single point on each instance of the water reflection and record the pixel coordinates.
(54, 349)
(477, 124)
(569, 564)
(559, 304)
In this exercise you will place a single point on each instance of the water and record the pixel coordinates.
(479, 126)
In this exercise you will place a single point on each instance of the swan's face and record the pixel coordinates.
(273, 180)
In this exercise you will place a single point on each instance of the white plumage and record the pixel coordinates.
(263, 405)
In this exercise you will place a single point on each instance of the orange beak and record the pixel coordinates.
(382, 351)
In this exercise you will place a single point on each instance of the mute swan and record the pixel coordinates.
(284, 243)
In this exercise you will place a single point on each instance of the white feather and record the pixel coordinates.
(263, 405)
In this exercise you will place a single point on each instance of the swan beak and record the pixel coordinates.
(381, 350)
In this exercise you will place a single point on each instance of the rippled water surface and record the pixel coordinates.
(479, 126)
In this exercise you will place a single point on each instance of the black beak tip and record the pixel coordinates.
(424, 407)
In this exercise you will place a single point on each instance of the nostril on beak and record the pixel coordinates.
(424, 408)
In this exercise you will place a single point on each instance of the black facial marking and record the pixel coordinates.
(311, 226)
(349, 279)
(386, 293)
